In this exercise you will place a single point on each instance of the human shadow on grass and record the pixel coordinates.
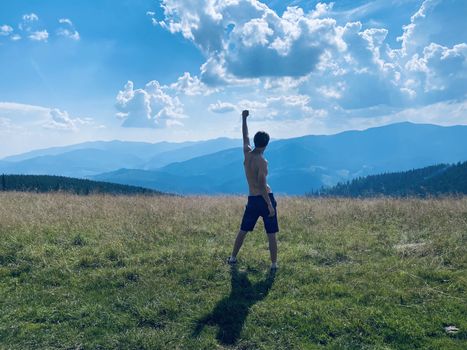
(230, 313)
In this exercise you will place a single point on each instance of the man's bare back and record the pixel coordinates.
(256, 167)
(254, 163)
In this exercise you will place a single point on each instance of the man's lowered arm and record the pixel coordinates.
(262, 173)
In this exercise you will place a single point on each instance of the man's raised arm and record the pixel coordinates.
(246, 138)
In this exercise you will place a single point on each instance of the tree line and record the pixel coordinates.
(436, 180)
(49, 183)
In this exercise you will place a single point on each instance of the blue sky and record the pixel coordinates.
(175, 70)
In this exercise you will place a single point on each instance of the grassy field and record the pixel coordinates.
(104, 272)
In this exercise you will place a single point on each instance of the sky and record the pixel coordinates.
(177, 70)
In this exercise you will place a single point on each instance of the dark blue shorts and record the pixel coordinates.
(255, 208)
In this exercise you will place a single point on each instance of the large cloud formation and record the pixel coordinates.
(150, 107)
(339, 67)
(248, 39)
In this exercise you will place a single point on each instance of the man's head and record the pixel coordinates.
(261, 139)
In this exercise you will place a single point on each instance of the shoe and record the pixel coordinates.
(274, 266)
(231, 260)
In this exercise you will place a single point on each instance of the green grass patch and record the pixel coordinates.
(106, 272)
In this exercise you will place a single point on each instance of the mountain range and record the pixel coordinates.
(92, 158)
(296, 166)
(305, 164)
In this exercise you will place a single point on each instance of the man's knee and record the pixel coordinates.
(272, 237)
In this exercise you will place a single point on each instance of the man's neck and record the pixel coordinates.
(258, 150)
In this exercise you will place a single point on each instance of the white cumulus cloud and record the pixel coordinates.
(31, 27)
(60, 120)
(308, 65)
(65, 21)
(245, 39)
(222, 107)
(26, 127)
(67, 30)
(150, 107)
(30, 17)
(248, 39)
(5, 30)
(282, 107)
(41, 35)
(441, 68)
(28, 22)
(29, 117)
(191, 86)
(438, 21)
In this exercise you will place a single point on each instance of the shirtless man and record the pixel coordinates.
(261, 201)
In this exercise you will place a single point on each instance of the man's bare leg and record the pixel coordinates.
(238, 243)
(273, 248)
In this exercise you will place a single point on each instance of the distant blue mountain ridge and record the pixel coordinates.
(92, 158)
(305, 164)
(296, 166)
(143, 150)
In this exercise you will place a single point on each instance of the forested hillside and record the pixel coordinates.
(434, 180)
(46, 183)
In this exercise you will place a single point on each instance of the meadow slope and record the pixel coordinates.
(107, 272)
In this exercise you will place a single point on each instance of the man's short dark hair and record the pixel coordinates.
(261, 139)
